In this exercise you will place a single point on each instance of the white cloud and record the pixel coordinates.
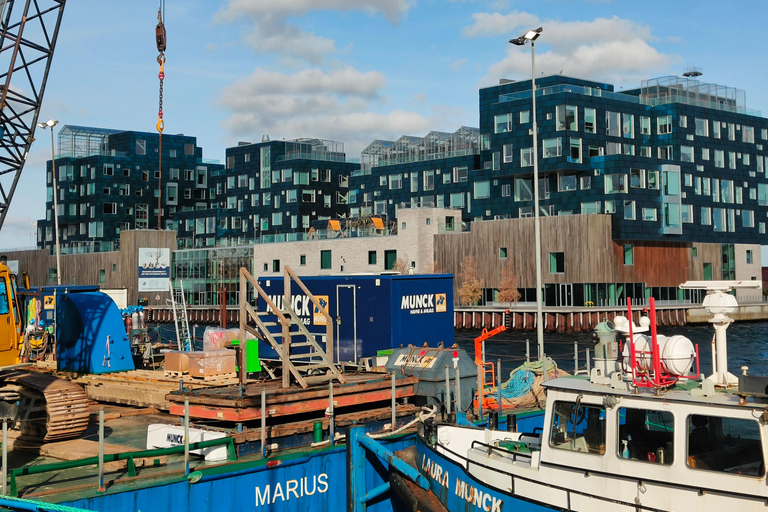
(312, 103)
(272, 33)
(455, 66)
(391, 9)
(613, 49)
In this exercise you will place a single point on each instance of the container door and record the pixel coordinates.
(346, 324)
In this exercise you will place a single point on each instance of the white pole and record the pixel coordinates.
(536, 226)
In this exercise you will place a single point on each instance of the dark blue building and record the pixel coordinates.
(108, 181)
(676, 160)
(271, 191)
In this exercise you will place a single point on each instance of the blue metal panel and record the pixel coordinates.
(90, 334)
(383, 318)
(316, 482)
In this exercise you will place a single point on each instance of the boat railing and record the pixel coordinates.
(127, 456)
(490, 448)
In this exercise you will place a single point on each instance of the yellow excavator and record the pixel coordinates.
(40, 405)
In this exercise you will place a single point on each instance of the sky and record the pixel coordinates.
(358, 70)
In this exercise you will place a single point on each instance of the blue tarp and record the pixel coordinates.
(91, 335)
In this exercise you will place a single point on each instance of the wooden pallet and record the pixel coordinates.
(209, 378)
(175, 375)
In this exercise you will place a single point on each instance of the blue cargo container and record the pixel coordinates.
(371, 312)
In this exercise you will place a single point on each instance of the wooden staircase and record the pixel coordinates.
(300, 353)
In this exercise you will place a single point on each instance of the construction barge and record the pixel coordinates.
(277, 428)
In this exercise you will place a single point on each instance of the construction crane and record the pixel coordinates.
(28, 33)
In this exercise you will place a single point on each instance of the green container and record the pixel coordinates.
(252, 362)
(318, 431)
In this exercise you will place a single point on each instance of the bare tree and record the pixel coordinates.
(433, 268)
(471, 289)
(402, 265)
(509, 283)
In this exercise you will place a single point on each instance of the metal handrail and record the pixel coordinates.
(129, 456)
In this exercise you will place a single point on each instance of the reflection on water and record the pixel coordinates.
(747, 346)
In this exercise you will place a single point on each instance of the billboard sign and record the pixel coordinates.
(154, 269)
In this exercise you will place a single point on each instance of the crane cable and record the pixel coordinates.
(161, 44)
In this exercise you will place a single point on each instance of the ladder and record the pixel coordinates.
(179, 307)
(284, 331)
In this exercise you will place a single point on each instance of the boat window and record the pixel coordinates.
(578, 427)
(730, 445)
(646, 435)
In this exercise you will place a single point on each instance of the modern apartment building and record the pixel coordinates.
(271, 191)
(110, 180)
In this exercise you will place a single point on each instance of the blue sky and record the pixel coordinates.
(358, 70)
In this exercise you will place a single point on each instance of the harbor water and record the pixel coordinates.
(747, 346)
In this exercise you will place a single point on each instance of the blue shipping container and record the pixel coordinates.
(371, 312)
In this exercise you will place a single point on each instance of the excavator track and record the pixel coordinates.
(51, 409)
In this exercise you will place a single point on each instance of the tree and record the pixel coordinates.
(433, 268)
(509, 283)
(471, 289)
(402, 265)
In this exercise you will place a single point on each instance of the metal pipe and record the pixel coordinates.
(480, 390)
(263, 423)
(498, 372)
(587, 356)
(458, 392)
(575, 357)
(394, 402)
(186, 437)
(5, 457)
(527, 351)
(331, 426)
(447, 390)
(101, 450)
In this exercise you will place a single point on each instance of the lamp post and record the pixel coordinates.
(50, 124)
(531, 36)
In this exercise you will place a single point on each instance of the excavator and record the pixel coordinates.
(40, 405)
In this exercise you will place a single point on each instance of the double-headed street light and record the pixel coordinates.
(50, 124)
(531, 36)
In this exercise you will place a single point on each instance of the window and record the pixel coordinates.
(716, 129)
(749, 256)
(506, 190)
(612, 148)
(526, 157)
(715, 442)
(566, 117)
(325, 259)
(649, 214)
(503, 123)
(629, 254)
(629, 210)
(390, 257)
(429, 180)
(460, 174)
(616, 183)
(637, 178)
(578, 427)
(395, 181)
(552, 148)
(731, 160)
(613, 126)
(719, 220)
(664, 152)
(482, 189)
(664, 125)
(575, 151)
(507, 151)
(702, 128)
(503, 253)
(371, 257)
(566, 182)
(686, 153)
(585, 182)
(556, 263)
(523, 189)
(457, 200)
(141, 147)
(302, 259)
(646, 435)
(748, 219)
(109, 170)
(645, 125)
(683, 121)
(628, 126)
(589, 120)
(525, 116)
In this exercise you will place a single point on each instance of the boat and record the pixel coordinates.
(643, 431)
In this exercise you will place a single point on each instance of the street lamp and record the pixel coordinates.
(50, 124)
(531, 36)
